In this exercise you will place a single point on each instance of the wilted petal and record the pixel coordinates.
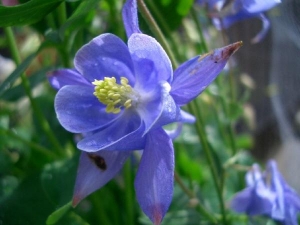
(192, 77)
(95, 170)
(79, 111)
(130, 17)
(154, 179)
(151, 62)
(105, 56)
(123, 134)
(63, 77)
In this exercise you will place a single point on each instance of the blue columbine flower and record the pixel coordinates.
(256, 198)
(119, 96)
(268, 194)
(227, 12)
(287, 203)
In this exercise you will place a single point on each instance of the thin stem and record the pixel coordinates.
(50, 21)
(62, 13)
(36, 147)
(207, 150)
(40, 117)
(231, 84)
(165, 26)
(228, 125)
(156, 30)
(100, 213)
(199, 29)
(192, 195)
(129, 193)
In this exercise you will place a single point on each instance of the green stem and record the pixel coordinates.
(199, 29)
(50, 21)
(228, 125)
(207, 150)
(223, 104)
(99, 212)
(40, 117)
(165, 26)
(191, 195)
(156, 30)
(36, 147)
(62, 13)
(129, 193)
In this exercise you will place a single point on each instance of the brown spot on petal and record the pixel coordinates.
(226, 52)
(229, 50)
(98, 161)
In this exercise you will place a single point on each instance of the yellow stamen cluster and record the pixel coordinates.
(113, 95)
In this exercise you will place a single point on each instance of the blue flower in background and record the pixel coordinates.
(225, 13)
(287, 203)
(268, 194)
(119, 96)
(256, 198)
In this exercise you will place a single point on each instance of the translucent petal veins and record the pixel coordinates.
(113, 95)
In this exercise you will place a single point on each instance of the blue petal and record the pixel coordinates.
(193, 76)
(123, 134)
(277, 185)
(258, 6)
(151, 63)
(79, 111)
(264, 30)
(186, 117)
(130, 17)
(175, 132)
(227, 21)
(155, 176)
(62, 77)
(257, 198)
(160, 110)
(95, 170)
(105, 56)
(247, 201)
(287, 204)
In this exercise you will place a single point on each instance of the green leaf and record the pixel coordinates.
(27, 205)
(9, 81)
(175, 9)
(72, 219)
(15, 93)
(58, 179)
(184, 7)
(235, 110)
(58, 214)
(27, 13)
(80, 17)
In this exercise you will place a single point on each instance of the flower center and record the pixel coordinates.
(114, 96)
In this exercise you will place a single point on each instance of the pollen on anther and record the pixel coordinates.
(127, 104)
(115, 96)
